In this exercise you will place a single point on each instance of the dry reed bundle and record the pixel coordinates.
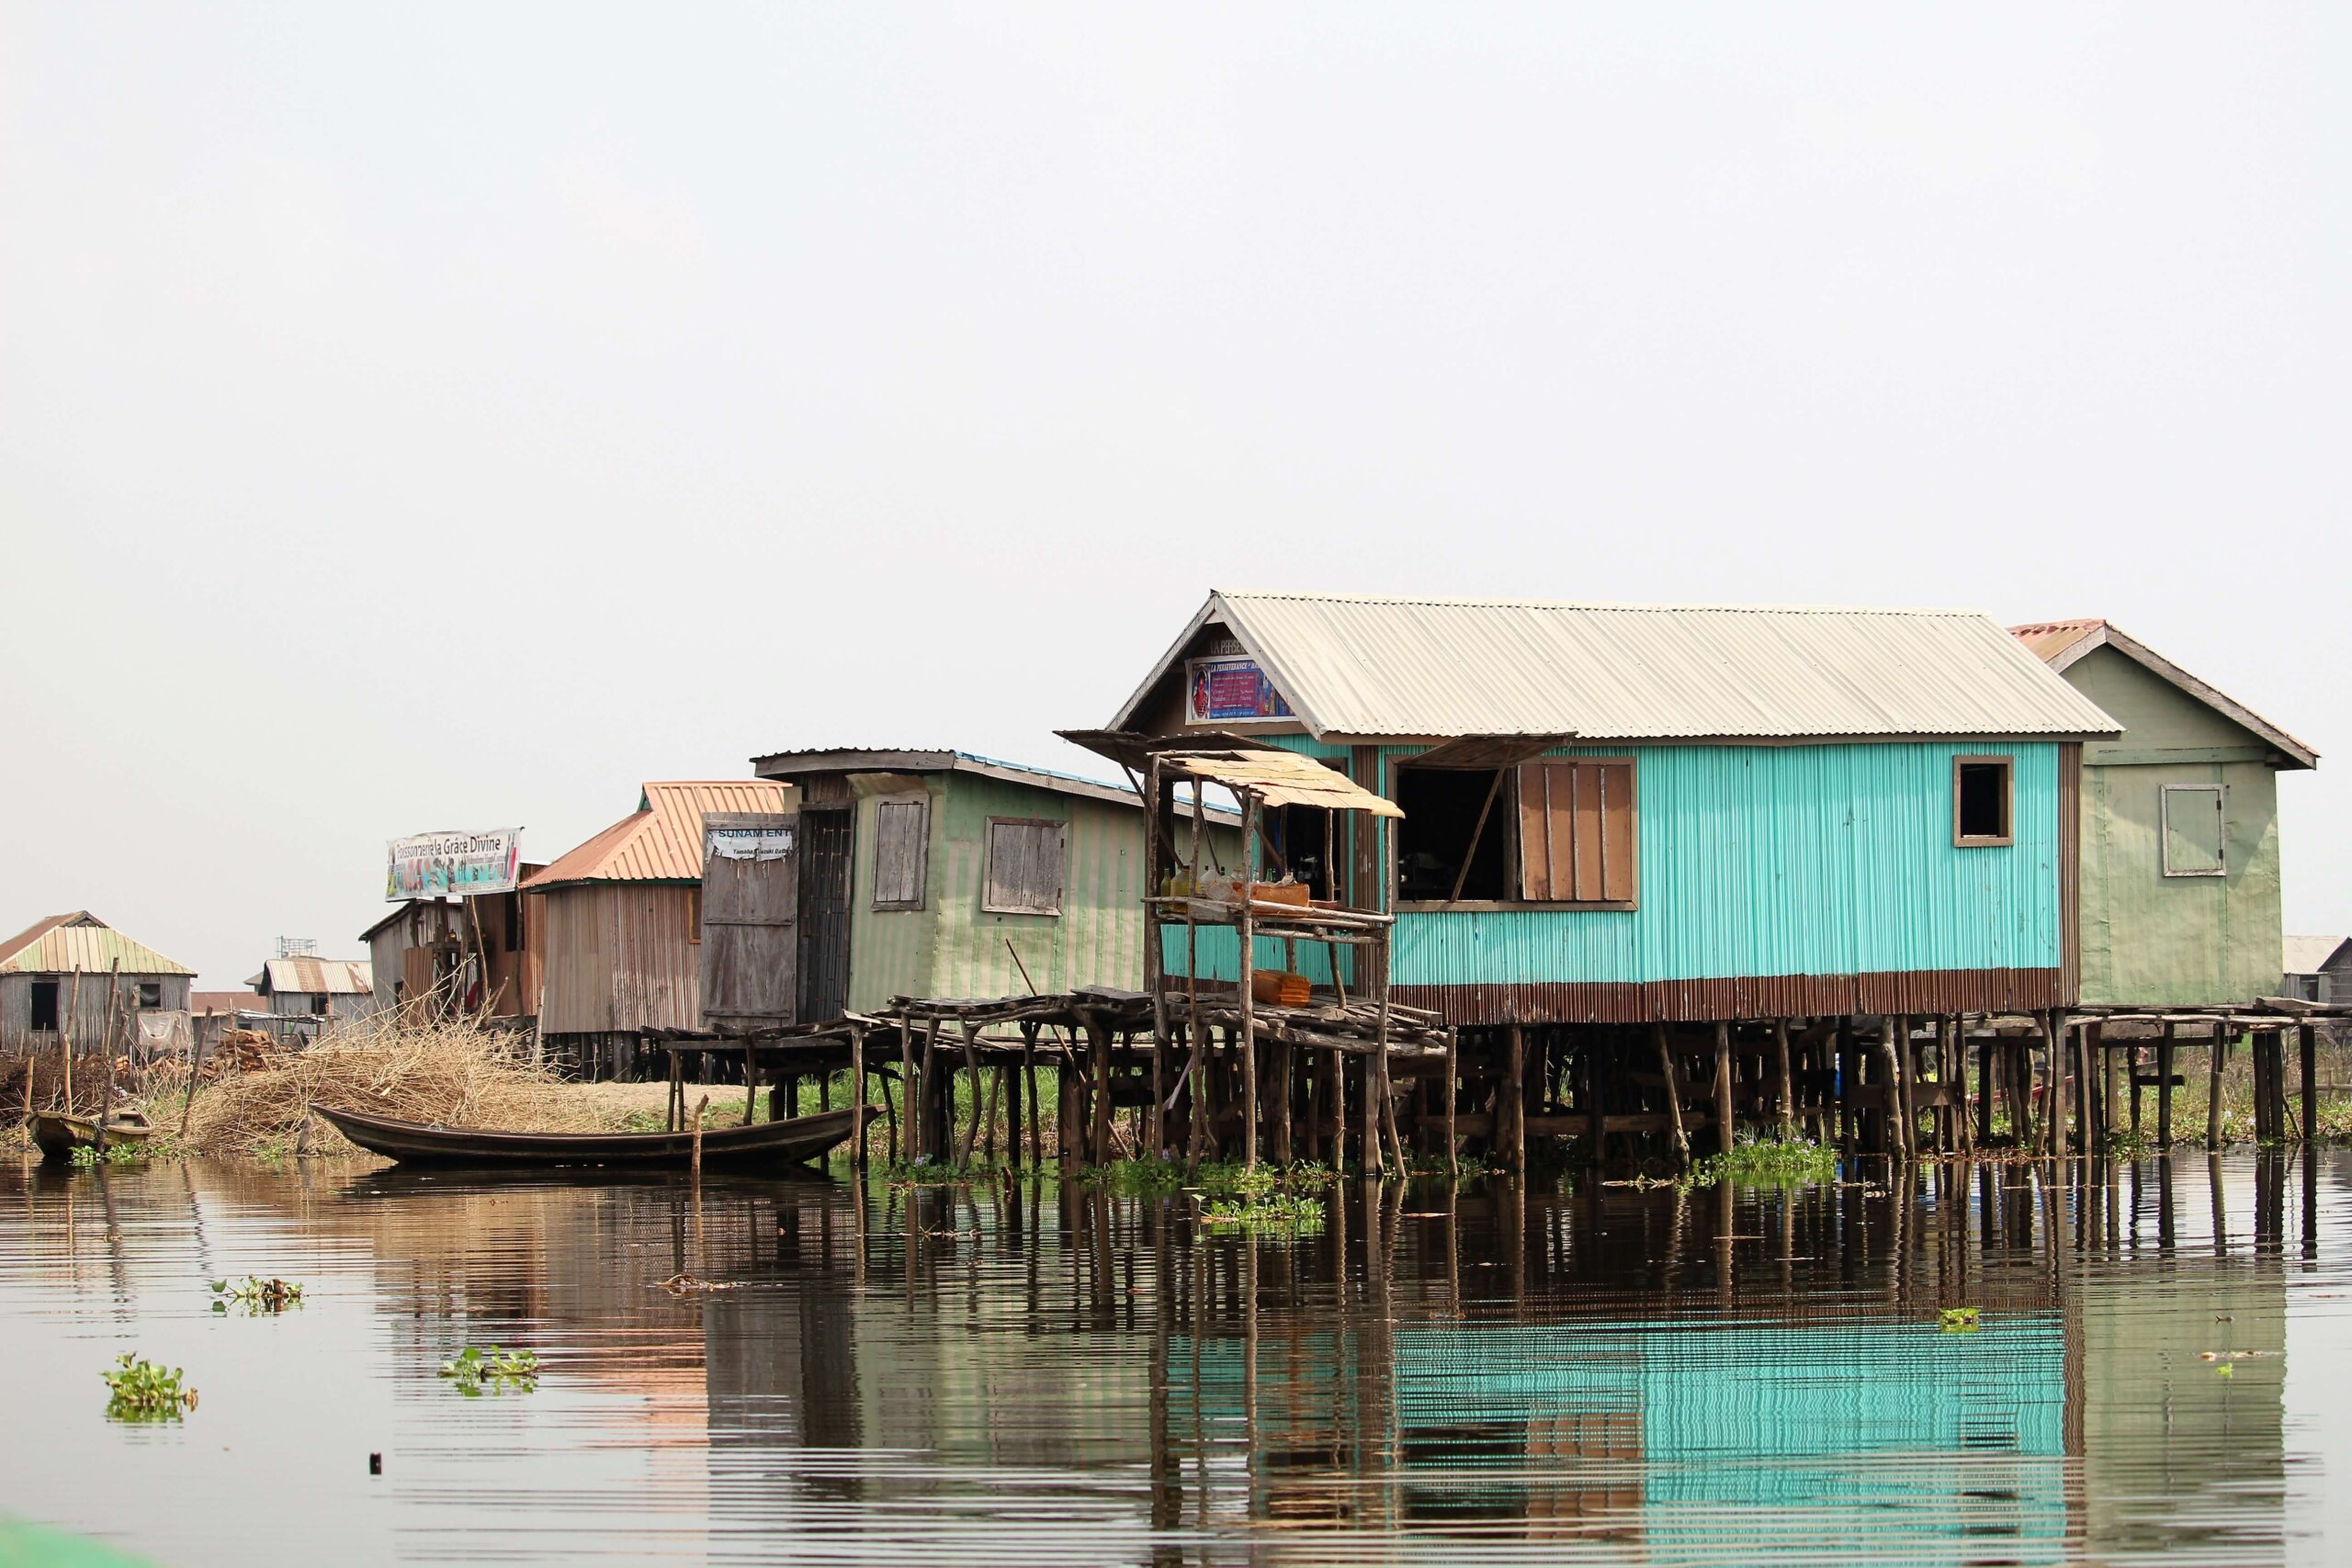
(448, 1072)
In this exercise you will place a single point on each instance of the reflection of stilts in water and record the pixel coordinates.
(2221, 1206)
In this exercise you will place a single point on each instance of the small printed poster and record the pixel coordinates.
(1231, 688)
(748, 843)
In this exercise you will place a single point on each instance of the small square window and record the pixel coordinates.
(1981, 802)
(151, 993)
(1024, 867)
(2195, 843)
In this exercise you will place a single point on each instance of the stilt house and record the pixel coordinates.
(55, 973)
(622, 918)
(2179, 847)
(924, 873)
(1617, 814)
(481, 954)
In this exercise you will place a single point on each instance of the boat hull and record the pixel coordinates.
(56, 1135)
(794, 1141)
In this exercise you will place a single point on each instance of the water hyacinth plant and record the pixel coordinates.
(1959, 1320)
(477, 1370)
(142, 1390)
(256, 1295)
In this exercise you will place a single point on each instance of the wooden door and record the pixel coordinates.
(751, 911)
(824, 913)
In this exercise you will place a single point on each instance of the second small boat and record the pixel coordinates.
(793, 1141)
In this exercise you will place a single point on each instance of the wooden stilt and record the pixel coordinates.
(2307, 1066)
(1510, 1100)
(1890, 1061)
(1675, 1139)
(1786, 1087)
(2216, 1061)
(1724, 1119)
(2164, 1049)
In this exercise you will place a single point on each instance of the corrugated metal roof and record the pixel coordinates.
(64, 945)
(661, 841)
(2311, 955)
(334, 977)
(1425, 669)
(792, 766)
(2060, 643)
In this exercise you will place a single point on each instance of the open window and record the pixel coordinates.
(901, 847)
(2195, 844)
(1451, 843)
(1024, 867)
(1308, 842)
(44, 1017)
(151, 993)
(1577, 832)
(1982, 795)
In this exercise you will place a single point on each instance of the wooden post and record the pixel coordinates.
(1722, 1088)
(105, 1045)
(2216, 1060)
(1787, 1087)
(1370, 1160)
(1988, 1053)
(1154, 976)
(1098, 1045)
(196, 1071)
(65, 1041)
(1675, 1139)
(1249, 969)
(1511, 1105)
(1899, 1141)
(1849, 1063)
(1452, 1161)
(2307, 1049)
(2165, 1044)
(1966, 1122)
(694, 1161)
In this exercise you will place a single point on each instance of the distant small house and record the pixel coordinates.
(486, 959)
(923, 874)
(2319, 968)
(58, 971)
(622, 918)
(316, 988)
(2179, 863)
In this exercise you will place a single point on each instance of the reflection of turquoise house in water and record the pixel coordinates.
(1897, 1441)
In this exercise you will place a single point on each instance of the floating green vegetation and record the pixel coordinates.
(86, 1155)
(142, 1390)
(476, 1370)
(1269, 1214)
(1769, 1163)
(928, 1172)
(1959, 1320)
(1137, 1177)
(255, 1296)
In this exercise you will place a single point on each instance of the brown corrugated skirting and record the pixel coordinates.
(1767, 996)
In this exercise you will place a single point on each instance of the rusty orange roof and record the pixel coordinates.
(661, 841)
(2049, 640)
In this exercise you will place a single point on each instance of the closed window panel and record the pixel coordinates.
(1577, 832)
(901, 838)
(1025, 874)
(2192, 829)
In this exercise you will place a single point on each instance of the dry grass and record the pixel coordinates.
(449, 1073)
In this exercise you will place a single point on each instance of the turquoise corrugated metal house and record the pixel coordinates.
(1616, 814)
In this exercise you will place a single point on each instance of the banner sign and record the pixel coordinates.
(1225, 689)
(747, 843)
(427, 866)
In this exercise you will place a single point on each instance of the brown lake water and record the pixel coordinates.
(1041, 1375)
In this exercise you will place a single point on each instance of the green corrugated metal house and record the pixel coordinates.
(2180, 826)
(922, 873)
(1616, 814)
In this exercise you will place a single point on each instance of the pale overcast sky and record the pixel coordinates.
(419, 417)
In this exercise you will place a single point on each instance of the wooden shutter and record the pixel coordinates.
(1577, 832)
(1024, 869)
(902, 835)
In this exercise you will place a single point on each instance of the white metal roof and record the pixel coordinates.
(2311, 955)
(1425, 669)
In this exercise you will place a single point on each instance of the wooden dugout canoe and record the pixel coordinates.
(56, 1135)
(790, 1141)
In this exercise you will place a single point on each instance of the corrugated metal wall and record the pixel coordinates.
(1765, 862)
(620, 956)
(2153, 939)
(89, 1011)
(1098, 937)
(890, 950)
